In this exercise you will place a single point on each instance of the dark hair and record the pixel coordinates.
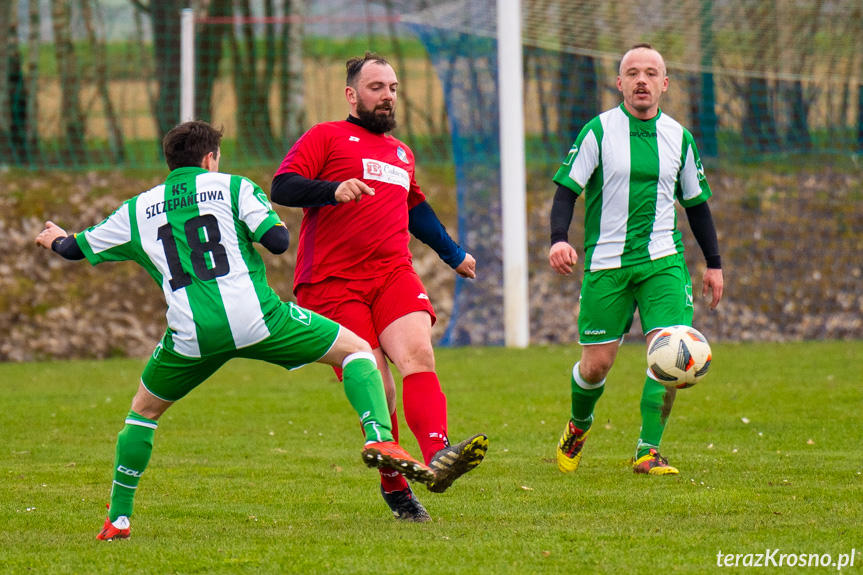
(187, 144)
(355, 65)
(641, 45)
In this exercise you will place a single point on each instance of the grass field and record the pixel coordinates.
(258, 471)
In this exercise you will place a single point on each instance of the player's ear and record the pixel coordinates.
(350, 95)
(208, 161)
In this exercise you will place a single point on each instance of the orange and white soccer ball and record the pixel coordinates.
(679, 356)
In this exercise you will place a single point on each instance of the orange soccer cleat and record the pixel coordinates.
(391, 454)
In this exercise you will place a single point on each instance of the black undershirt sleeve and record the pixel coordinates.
(276, 239)
(68, 248)
(293, 190)
(561, 213)
(704, 230)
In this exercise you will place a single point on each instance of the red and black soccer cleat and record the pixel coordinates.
(110, 531)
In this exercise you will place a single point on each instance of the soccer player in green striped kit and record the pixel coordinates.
(194, 235)
(631, 163)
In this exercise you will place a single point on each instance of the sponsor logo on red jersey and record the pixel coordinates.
(383, 172)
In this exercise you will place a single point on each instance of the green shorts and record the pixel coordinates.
(301, 339)
(661, 290)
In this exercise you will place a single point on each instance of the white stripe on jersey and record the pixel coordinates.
(689, 176)
(179, 314)
(250, 206)
(180, 318)
(616, 168)
(669, 143)
(115, 231)
(586, 160)
(245, 317)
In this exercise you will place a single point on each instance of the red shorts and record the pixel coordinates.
(367, 307)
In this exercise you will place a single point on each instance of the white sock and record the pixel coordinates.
(122, 522)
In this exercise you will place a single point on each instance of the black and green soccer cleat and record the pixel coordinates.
(452, 462)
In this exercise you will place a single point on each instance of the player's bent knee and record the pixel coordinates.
(351, 342)
(593, 372)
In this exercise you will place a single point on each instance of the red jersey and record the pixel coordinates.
(354, 240)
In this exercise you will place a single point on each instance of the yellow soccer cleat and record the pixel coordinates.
(653, 464)
(569, 448)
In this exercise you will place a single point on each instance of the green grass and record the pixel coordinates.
(258, 471)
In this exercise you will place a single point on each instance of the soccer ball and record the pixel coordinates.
(679, 356)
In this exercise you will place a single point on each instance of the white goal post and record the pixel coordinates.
(187, 64)
(512, 174)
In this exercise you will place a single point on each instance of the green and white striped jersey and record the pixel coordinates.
(193, 234)
(631, 171)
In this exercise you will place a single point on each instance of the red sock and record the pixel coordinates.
(392, 480)
(425, 411)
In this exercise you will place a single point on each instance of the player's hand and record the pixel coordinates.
(353, 190)
(562, 257)
(467, 268)
(51, 232)
(712, 281)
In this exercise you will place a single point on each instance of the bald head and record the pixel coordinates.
(643, 52)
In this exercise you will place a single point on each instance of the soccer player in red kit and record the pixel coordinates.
(356, 185)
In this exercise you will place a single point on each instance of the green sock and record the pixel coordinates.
(584, 398)
(134, 446)
(365, 390)
(656, 403)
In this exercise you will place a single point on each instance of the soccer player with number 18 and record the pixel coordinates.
(194, 235)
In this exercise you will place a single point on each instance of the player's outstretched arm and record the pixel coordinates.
(54, 238)
(425, 226)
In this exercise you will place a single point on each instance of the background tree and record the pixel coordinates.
(32, 86)
(759, 122)
(800, 36)
(252, 82)
(209, 47)
(578, 95)
(72, 117)
(702, 88)
(291, 86)
(5, 46)
(100, 78)
(165, 22)
(13, 92)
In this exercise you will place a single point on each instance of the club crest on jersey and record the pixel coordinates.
(402, 154)
(300, 315)
(700, 170)
(383, 172)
